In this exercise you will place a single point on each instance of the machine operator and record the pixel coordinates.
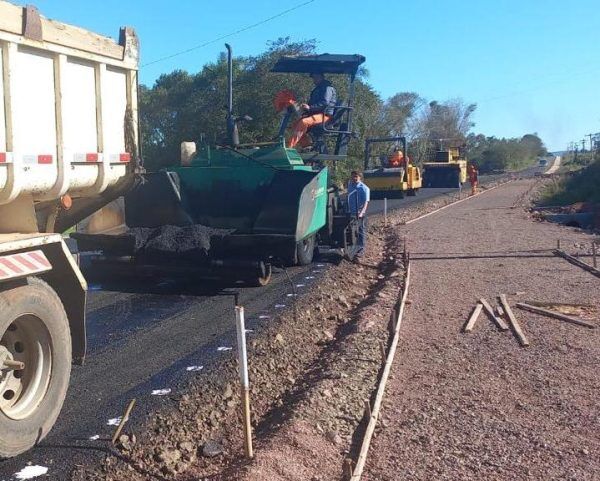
(318, 110)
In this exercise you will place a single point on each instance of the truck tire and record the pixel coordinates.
(305, 250)
(34, 329)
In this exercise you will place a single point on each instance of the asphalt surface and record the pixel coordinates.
(144, 337)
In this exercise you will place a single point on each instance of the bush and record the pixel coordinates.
(582, 186)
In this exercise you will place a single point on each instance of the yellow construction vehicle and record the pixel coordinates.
(447, 169)
(391, 175)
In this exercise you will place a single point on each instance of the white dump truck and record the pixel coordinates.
(68, 146)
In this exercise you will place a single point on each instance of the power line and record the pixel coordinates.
(222, 37)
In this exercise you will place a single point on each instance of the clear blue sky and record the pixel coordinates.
(530, 65)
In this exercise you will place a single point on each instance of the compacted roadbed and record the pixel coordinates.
(478, 405)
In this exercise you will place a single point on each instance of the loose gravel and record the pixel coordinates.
(478, 405)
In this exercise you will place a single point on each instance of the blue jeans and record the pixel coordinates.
(362, 234)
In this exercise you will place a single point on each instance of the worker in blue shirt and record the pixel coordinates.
(358, 202)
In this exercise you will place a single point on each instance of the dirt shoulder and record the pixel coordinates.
(480, 406)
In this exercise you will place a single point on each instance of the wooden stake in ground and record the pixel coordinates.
(577, 262)
(124, 420)
(473, 319)
(497, 320)
(555, 315)
(244, 382)
(513, 321)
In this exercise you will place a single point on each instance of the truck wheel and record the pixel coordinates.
(34, 330)
(305, 250)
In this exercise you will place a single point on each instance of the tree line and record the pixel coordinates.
(183, 106)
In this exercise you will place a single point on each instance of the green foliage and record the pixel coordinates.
(581, 186)
(491, 153)
(187, 107)
(184, 106)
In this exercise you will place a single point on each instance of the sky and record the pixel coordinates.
(530, 65)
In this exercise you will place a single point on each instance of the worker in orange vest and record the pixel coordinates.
(317, 111)
(396, 159)
(473, 173)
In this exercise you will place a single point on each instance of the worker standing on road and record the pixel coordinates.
(358, 202)
(473, 177)
(318, 110)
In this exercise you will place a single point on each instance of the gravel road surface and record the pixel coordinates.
(478, 405)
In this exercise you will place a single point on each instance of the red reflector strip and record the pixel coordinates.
(8, 264)
(40, 258)
(91, 157)
(44, 159)
(2, 157)
(124, 157)
(24, 264)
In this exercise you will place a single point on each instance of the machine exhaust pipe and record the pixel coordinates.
(233, 135)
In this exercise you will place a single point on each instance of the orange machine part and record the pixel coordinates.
(283, 100)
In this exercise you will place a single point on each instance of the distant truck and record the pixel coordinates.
(542, 162)
(68, 146)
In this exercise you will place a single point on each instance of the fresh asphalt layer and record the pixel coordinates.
(155, 336)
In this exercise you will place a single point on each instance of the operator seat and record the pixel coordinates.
(331, 127)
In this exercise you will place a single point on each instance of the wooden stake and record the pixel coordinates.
(385, 219)
(555, 315)
(577, 262)
(382, 351)
(513, 320)
(500, 311)
(473, 319)
(244, 381)
(124, 420)
(497, 320)
(594, 261)
(347, 469)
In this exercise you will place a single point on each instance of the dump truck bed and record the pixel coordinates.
(69, 125)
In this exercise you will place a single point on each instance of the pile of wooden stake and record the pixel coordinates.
(505, 319)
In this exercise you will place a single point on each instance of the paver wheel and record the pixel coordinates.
(34, 330)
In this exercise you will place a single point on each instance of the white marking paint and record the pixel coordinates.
(194, 368)
(300, 285)
(320, 265)
(114, 421)
(249, 330)
(264, 317)
(223, 348)
(95, 437)
(309, 277)
(292, 295)
(161, 392)
(279, 306)
(31, 472)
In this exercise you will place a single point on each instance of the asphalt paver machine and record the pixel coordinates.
(246, 207)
